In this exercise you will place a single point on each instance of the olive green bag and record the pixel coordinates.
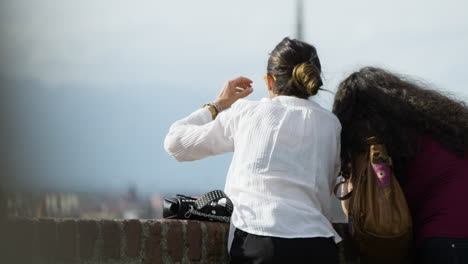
(379, 217)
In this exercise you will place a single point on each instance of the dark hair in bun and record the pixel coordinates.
(296, 67)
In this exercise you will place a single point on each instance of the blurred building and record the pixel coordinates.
(80, 205)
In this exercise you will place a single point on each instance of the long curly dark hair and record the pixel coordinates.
(375, 102)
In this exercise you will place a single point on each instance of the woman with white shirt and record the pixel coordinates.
(286, 158)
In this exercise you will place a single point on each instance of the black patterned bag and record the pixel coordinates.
(213, 206)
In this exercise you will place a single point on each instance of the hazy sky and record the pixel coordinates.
(93, 86)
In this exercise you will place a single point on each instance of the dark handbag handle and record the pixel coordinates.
(370, 141)
(337, 187)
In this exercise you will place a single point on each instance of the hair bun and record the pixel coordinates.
(307, 75)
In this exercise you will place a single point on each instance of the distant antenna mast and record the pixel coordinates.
(300, 22)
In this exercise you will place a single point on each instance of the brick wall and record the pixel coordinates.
(119, 241)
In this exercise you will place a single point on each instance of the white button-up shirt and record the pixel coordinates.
(286, 159)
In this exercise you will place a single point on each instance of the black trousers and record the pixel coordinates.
(443, 251)
(253, 249)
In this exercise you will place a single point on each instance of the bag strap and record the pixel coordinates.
(212, 197)
(337, 187)
(186, 198)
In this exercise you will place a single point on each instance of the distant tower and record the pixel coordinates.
(132, 193)
(299, 22)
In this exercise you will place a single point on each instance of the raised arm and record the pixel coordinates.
(198, 136)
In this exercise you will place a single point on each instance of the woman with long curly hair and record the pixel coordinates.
(426, 134)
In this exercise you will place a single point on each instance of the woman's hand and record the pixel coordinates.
(233, 90)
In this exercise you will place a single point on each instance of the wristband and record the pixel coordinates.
(218, 107)
(212, 109)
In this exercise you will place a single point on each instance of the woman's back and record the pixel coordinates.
(275, 182)
(286, 157)
(436, 190)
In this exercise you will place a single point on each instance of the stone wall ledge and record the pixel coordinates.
(54, 240)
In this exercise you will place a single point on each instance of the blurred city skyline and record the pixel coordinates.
(90, 88)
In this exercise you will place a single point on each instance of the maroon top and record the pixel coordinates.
(437, 192)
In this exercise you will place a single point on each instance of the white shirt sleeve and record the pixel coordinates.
(197, 136)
